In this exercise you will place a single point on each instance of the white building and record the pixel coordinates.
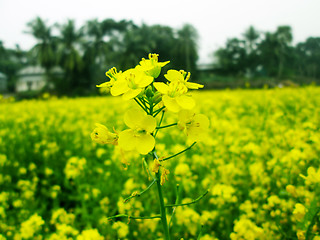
(3, 82)
(33, 78)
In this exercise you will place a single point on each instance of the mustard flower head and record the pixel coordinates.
(131, 83)
(182, 77)
(313, 176)
(299, 211)
(102, 135)
(174, 97)
(151, 66)
(112, 74)
(194, 125)
(138, 137)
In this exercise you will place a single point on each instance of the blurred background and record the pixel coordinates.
(65, 47)
(260, 160)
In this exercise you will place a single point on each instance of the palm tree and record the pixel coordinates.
(186, 49)
(69, 55)
(45, 49)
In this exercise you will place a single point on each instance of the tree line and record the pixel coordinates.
(270, 55)
(87, 52)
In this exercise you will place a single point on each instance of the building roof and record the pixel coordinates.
(38, 70)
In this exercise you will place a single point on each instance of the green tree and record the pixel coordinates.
(45, 49)
(251, 38)
(231, 60)
(69, 58)
(308, 58)
(186, 49)
(11, 61)
(276, 52)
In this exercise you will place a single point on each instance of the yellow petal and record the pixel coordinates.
(119, 88)
(144, 80)
(202, 121)
(144, 143)
(127, 140)
(185, 102)
(133, 118)
(171, 103)
(162, 64)
(174, 75)
(161, 87)
(148, 123)
(106, 84)
(192, 85)
(131, 93)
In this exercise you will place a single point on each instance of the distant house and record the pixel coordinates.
(3, 82)
(34, 78)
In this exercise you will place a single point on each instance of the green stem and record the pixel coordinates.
(140, 193)
(161, 118)
(189, 203)
(141, 105)
(158, 111)
(132, 217)
(166, 126)
(313, 220)
(176, 202)
(165, 159)
(161, 201)
(162, 208)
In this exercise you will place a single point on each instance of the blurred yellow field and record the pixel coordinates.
(260, 162)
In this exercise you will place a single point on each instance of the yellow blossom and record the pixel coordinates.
(138, 137)
(301, 235)
(194, 125)
(174, 96)
(156, 165)
(164, 174)
(102, 135)
(182, 77)
(31, 226)
(90, 234)
(313, 176)
(121, 228)
(151, 66)
(130, 83)
(112, 74)
(299, 211)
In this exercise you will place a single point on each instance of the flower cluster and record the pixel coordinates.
(153, 97)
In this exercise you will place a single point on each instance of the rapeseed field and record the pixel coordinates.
(260, 162)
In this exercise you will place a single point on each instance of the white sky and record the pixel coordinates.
(215, 20)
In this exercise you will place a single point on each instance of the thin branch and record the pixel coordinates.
(165, 159)
(166, 126)
(147, 167)
(132, 217)
(161, 118)
(313, 220)
(143, 101)
(158, 111)
(176, 202)
(139, 194)
(141, 105)
(189, 203)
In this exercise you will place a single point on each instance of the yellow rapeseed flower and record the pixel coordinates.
(299, 211)
(131, 83)
(112, 74)
(102, 135)
(181, 77)
(174, 96)
(194, 125)
(138, 137)
(151, 66)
